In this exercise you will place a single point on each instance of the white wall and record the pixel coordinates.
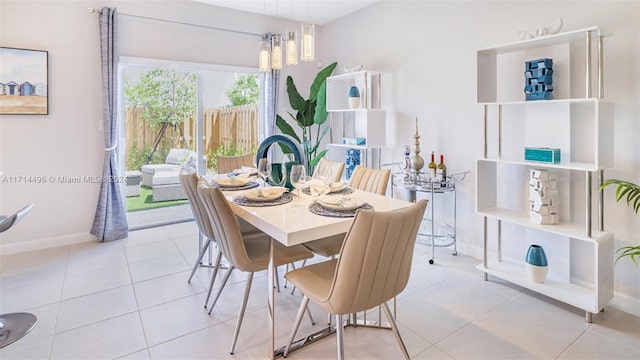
(426, 53)
(67, 142)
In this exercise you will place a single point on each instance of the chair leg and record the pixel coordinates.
(224, 282)
(301, 310)
(203, 250)
(394, 328)
(216, 267)
(340, 336)
(243, 307)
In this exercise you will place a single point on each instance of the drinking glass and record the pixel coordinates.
(298, 177)
(264, 169)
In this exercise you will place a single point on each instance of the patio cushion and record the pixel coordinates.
(156, 168)
(177, 156)
(165, 178)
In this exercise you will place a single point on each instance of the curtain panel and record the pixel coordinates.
(110, 221)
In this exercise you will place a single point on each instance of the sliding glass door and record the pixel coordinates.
(165, 107)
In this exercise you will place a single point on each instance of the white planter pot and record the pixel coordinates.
(537, 274)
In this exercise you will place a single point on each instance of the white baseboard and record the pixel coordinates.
(44, 243)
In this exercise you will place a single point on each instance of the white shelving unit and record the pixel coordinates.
(367, 121)
(578, 122)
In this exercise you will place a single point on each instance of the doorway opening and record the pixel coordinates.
(165, 107)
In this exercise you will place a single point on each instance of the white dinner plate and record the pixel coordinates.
(231, 182)
(341, 203)
(262, 196)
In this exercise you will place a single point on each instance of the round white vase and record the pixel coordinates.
(537, 274)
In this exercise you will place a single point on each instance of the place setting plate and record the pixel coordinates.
(264, 197)
(234, 183)
(338, 206)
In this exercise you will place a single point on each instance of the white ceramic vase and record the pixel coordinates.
(354, 102)
(537, 274)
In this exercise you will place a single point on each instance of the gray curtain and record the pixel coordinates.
(271, 86)
(110, 221)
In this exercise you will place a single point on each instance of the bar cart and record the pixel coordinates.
(439, 233)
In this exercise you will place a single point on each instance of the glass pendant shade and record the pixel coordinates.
(276, 52)
(263, 57)
(308, 45)
(292, 48)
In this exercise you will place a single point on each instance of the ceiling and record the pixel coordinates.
(317, 12)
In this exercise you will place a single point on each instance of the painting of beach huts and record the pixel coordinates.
(23, 81)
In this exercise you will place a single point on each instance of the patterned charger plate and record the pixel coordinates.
(241, 200)
(318, 209)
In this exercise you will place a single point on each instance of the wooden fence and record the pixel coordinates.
(238, 125)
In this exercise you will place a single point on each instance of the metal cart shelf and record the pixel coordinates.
(438, 233)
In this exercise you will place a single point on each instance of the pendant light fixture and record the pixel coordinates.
(292, 44)
(308, 40)
(276, 51)
(263, 55)
(292, 48)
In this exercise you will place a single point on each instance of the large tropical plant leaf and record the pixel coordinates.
(295, 99)
(285, 128)
(321, 77)
(321, 113)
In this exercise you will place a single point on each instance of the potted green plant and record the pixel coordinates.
(309, 113)
(631, 193)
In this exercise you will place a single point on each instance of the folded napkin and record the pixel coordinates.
(246, 170)
(273, 191)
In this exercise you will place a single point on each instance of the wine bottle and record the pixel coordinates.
(441, 174)
(432, 166)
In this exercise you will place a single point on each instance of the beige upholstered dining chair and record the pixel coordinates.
(362, 178)
(330, 170)
(227, 164)
(190, 183)
(245, 252)
(373, 267)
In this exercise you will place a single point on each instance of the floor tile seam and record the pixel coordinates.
(155, 277)
(168, 301)
(177, 252)
(591, 328)
(56, 333)
(135, 296)
(55, 326)
(566, 348)
(149, 347)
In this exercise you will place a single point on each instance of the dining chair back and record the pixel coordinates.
(373, 267)
(372, 180)
(227, 164)
(330, 170)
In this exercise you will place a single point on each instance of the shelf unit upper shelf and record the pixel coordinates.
(539, 42)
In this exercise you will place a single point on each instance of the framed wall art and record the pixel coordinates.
(24, 88)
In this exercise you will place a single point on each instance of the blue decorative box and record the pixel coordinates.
(538, 79)
(539, 63)
(548, 155)
(352, 158)
(354, 141)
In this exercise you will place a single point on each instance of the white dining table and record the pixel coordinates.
(293, 223)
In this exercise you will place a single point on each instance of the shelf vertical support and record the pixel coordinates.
(499, 240)
(484, 117)
(600, 69)
(587, 65)
(588, 202)
(499, 132)
(484, 248)
(600, 201)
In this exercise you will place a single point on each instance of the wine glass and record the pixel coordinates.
(264, 169)
(298, 177)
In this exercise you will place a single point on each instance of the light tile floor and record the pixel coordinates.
(130, 300)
